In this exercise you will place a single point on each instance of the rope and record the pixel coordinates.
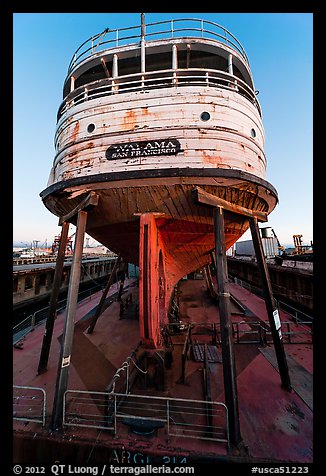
(124, 366)
(141, 370)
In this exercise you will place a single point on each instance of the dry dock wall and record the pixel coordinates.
(291, 284)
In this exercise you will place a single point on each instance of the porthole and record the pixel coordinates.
(90, 128)
(253, 133)
(205, 116)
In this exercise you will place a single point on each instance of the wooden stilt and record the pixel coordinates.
(229, 371)
(209, 281)
(122, 282)
(272, 312)
(103, 297)
(46, 345)
(213, 258)
(65, 354)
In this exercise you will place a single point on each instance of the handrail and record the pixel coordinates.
(262, 332)
(172, 29)
(24, 404)
(182, 417)
(27, 325)
(168, 78)
(279, 303)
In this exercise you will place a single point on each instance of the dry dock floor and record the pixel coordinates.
(276, 425)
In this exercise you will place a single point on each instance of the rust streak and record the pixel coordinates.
(129, 120)
(75, 132)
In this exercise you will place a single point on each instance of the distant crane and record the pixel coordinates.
(34, 247)
(297, 240)
(56, 243)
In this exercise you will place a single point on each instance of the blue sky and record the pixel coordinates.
(280, 51)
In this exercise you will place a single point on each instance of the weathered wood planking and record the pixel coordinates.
(223, 141)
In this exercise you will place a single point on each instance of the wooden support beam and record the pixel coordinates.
(46, 345)
(103, 297)
(272, 312)
(122, 281)
(66, 346)
(184, 354)
(88, 202)
(229, 370)
(213, 258)
(209, 281)
(200, 197)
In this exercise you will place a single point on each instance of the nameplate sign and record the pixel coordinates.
(131, 150)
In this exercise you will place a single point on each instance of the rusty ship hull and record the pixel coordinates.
(186, 229)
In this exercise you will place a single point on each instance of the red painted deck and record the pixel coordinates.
(276, 425)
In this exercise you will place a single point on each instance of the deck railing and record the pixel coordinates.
(256, 332)
(29, 404)
(28, 324)
(178, 417)
(299, 317)
(180, 27)
(259, 333)
(150, 80)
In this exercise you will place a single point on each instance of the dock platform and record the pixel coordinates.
(276, 425)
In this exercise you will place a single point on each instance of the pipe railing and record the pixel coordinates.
(169, 78)
(179, 417)
(259, 333)
(256, 332)
(29, 404)
(299, 317)
(38, 317)
(177, 28)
